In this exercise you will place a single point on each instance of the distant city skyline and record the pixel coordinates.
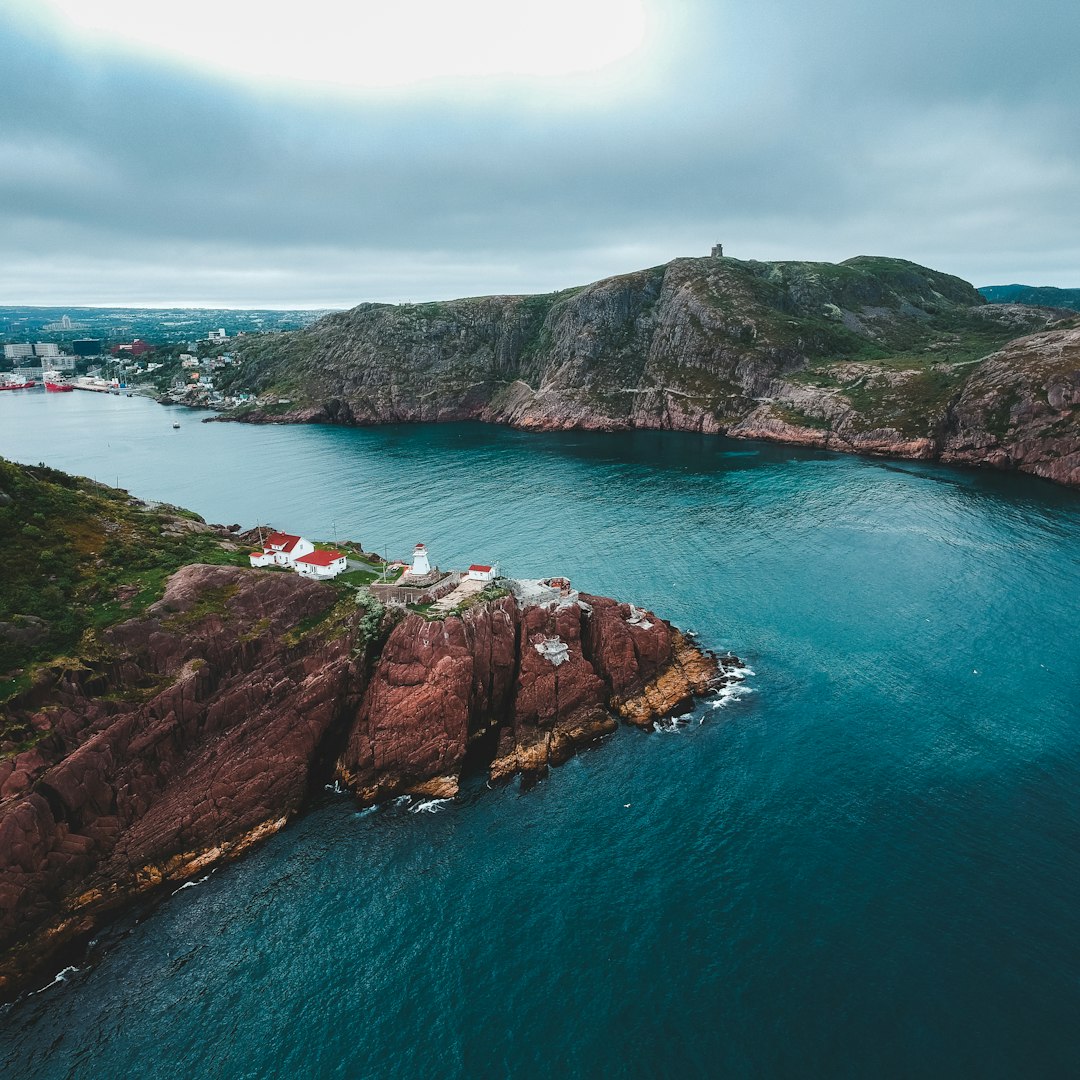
(349, 152)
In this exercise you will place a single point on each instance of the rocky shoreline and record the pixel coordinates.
(202, 726)
(870, 356)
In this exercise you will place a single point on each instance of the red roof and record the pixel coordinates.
(284, 541)
(257, 554)
(321, 558)
(483, 569)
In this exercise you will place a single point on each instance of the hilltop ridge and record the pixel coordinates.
(872, 355)
(1042, 295)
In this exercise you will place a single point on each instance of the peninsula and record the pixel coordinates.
(872, 355)
(165, 704)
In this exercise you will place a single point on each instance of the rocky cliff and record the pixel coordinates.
(871, 355)
(178, 738)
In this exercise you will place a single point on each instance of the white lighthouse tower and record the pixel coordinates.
(420, 565)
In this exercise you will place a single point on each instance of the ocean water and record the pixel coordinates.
(867, 866)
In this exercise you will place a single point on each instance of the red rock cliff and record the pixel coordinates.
(201, 727)
(477, 684)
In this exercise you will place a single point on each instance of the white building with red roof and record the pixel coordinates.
(321, 564)
(479, 572)
(281, 549)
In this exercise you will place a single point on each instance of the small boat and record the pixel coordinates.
(175, 424)
(57, 384)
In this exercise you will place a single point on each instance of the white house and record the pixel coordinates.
(481, 573)
(321, 564)
(281, 549)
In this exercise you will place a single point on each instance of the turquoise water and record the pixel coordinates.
(870, 866)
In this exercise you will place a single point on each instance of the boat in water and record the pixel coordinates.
(15, 382)
(55, 383)
(175, 425)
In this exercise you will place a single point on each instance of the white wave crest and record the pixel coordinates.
(191, 884)
(61, 976)
(671, 724)
(429, 806)
(725, 695)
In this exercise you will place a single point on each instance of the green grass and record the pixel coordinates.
(491, 592)
(798, 418)
(76, 548)
(357, 577)
(911, 407)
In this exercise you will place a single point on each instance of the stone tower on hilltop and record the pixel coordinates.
(718, 251)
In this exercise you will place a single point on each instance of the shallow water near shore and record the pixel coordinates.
(870, 865)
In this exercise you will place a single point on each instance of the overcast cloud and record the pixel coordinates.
(946, 133)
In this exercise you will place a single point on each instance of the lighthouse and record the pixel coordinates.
(420, 565)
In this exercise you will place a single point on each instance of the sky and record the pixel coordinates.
(325, 153)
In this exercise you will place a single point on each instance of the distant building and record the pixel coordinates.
(62, 363)
(46, 348)
(18, 352)
(86, 347)
(479, 572)
(135, 348)
(65, 324)
(217, 335)
(718, 251)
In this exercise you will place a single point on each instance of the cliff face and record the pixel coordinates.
(1019, 409)
(477, 686)
(201, 726)
(196, 732)
(869, 355)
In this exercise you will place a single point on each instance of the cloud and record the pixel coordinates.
(940, 133)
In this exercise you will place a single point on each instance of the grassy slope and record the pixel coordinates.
(80, 556)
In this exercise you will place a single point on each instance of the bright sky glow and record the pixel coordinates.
(367, 44)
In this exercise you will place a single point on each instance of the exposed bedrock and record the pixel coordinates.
(197, 732)
(876, 356)
(486, 679)
(186, 735)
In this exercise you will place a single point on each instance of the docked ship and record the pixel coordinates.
(14, 382)
(56, 383)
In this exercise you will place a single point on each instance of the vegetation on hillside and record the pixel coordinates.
(1044, 295)
(706, 329)
(80, 556)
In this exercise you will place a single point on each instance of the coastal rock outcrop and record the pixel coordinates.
(515, 687)
(1019, 409)
(194, 730)
(871, 355)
